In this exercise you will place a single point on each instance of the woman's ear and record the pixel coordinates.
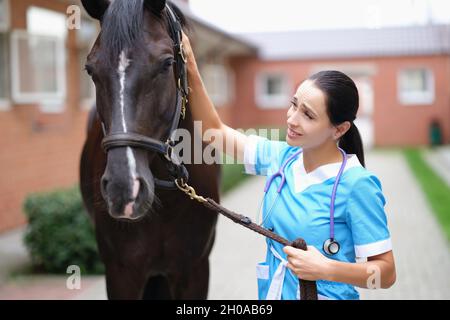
(342, 129)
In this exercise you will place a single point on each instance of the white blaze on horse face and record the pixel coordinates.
(124, 62)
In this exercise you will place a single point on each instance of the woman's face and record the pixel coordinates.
(308, 122)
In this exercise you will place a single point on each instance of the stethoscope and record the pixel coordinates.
(330, 246)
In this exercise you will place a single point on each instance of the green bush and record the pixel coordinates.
(60, 233)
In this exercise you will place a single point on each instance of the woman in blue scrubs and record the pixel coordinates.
(323, 193)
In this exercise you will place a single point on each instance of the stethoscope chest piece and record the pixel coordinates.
(331, 247)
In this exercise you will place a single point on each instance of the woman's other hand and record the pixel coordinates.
(307, 265)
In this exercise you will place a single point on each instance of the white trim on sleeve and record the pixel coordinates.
(250, 154)
(373, 249)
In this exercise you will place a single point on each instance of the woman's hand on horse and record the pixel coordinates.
(203, 110)
(309, 265)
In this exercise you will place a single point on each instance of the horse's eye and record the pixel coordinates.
(88, 69)
(167, 64)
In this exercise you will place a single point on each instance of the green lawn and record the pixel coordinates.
(436, 190)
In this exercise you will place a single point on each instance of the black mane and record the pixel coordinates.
(122, 26)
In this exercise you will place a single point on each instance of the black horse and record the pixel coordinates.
(155, 243)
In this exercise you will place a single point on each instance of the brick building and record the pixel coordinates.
(403, 75)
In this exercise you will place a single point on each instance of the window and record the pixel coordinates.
(4, 15)
(272, 90)
(38, 69)
(218, 82)
(38, 61)
(416, 86)
(46, 22)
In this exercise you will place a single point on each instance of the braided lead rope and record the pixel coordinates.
(308, 289)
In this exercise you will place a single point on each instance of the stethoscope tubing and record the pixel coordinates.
(280, 173)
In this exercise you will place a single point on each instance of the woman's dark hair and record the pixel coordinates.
(342, 102)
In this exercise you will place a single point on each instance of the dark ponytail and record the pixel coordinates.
(342, 101)
(351, 142)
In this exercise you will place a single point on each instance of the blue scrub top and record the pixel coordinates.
(303, 210)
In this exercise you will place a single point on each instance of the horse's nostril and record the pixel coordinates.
(103, 185)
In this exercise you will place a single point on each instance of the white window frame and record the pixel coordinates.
(48, 101)
(419, 97)
(265, 101)
(6, 25)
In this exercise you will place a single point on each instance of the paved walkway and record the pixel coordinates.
(16, 286)
(421, 250)
(422, 253)
(13, 255)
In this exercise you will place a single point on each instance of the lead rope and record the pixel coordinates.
(308, 289)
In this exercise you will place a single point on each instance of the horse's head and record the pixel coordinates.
(132, 66)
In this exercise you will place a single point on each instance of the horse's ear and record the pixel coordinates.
(155, 5)
(95, 8)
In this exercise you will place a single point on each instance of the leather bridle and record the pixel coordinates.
(124, 139)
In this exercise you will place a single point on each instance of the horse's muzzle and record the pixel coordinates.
(125, 185)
